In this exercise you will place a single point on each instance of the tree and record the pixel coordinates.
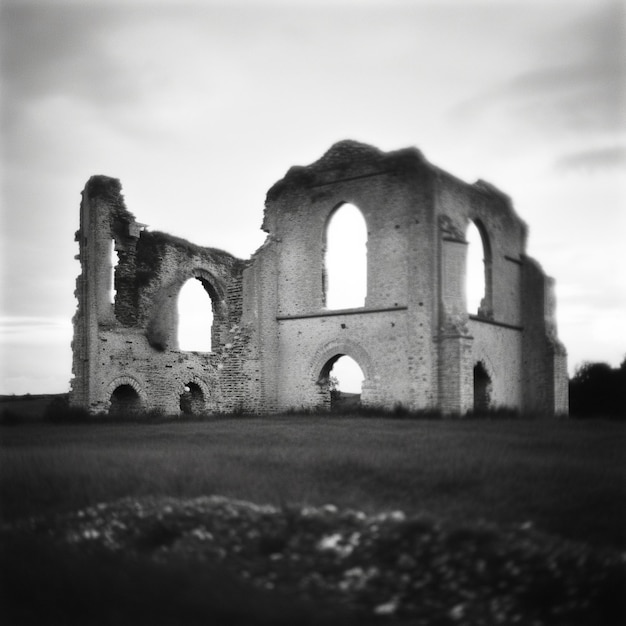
(598, 390)
(333, 383)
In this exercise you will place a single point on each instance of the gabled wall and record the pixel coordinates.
(393, 194)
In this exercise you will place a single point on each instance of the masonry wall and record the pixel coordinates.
(374, 340)
(499, 349)
(492, 336)
(544, 360)
(132, 342)
(275, 341)
(391, 336)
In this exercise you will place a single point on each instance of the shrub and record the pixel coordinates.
(597, 390)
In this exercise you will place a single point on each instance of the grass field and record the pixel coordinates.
(564, 477)
(567, 477)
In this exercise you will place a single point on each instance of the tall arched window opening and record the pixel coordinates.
(114, 259)
(345, 263)
(478, 274)
(195, 317)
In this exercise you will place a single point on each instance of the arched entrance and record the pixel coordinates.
(341, 380)
(482, 388)
(192, 400)
(125, 401)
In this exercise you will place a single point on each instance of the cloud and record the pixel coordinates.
(584, 99)
(593, 160)
(35, 330)
(36, 354)
(575, 85)
(59, 49)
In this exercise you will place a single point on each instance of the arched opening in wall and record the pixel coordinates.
(192, 400)
(478, 274)
(195, 316)
(125, 401)
(114, 259)
(344, 380)
(482, 388)
(345, 264)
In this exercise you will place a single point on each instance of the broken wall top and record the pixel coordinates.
(344, 160)
(351, 160)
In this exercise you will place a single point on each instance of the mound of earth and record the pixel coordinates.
(384, 568)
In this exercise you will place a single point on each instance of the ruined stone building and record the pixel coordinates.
(275, 340)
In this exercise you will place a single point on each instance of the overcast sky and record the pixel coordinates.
(199, 107)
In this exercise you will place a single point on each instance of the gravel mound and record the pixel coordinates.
(386, 567)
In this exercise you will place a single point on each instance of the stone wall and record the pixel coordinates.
(133, 341)
(274, 339)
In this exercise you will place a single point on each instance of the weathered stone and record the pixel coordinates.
(274, 342)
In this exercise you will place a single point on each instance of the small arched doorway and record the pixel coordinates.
(482, 388)
(341, 379)
(125, 401)
(192, 401)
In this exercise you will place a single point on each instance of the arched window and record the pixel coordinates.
(195, 317)
(125, 401)
(345, 379)
(345, 275)
(478, 275)
(114, 259)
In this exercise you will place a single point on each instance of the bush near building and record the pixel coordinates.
(598, 390)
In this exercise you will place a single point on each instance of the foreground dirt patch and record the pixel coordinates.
(386, 568)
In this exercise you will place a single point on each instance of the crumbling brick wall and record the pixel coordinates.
(132, 342)
(275, 340)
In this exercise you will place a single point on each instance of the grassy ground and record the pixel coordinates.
(567, 477)
(564, 477)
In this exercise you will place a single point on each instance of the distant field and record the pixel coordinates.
(566, 477)
(26, 408)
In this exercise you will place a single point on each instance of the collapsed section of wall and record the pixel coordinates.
(125, 351)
